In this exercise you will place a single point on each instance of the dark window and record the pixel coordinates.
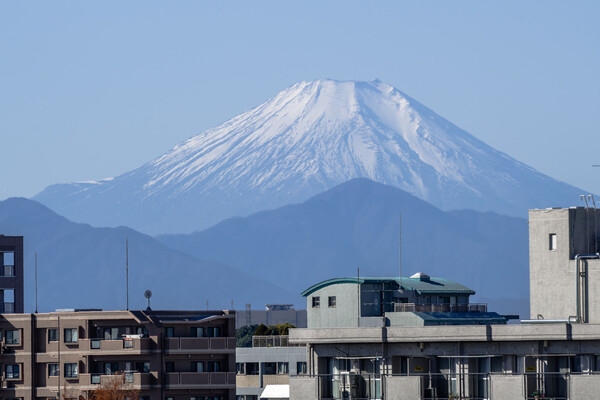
(141, 330)
(301, 368)
(13, 336)
(316, 302)
(170, 366)
(552, 241)
(251, 368)
(71, 370)
(111, 368)
(283, 368)
(332, 301)
(142, 366)
(170, 331)
(53, 370)
(52, 335)
(240, 368)
(111, 333)
(213, 366)
(269, 368)
(13, 371)
(71, 335)
(197, 366)
(196, 331)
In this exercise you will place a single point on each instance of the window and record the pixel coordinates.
(213, 366)
(169, 366)
(332, 301)
(301, 368)
(9, 264)
(13, 371)
(52, 335)
(240, 368)
(71, 370)
(142, 366)
(170, 331)
(552, 241)
(283, 368)
(269, 368)
(110, 368)
(141, 330)
(251, 368)
(128, 343)
(53, 370)
(71, 335)
(111, 333)
(13, 336)
(197, 366)
(196, 331)
(213, 331)
(316, 302)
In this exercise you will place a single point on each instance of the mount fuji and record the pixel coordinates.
(305, 140)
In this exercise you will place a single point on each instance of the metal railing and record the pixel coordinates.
(8, 270)
(463, 308)
(272, 341)
(8, 308)
(440, 386)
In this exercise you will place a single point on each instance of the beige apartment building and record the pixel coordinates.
(166, 355)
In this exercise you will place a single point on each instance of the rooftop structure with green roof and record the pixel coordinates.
(393, 301)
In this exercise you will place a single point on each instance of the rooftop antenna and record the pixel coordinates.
(358, 295)
(591, 197)
(400, 249)
(36, 299)
(587, 217)
(127, 274)
(148, 294)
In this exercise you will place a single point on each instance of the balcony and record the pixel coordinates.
(137, 380)
(119, 346)
(247, 381)
(179, 380)
(200, 345)
(272, 341)
(459, 308)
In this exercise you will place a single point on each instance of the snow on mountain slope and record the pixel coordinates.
(305, 140)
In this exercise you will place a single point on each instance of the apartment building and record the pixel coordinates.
(166, 355)
(556, 354)
(11, 274)
(267, 366)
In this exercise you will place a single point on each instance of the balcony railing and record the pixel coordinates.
(462, 308)
(200, 378)
(272, 341)
(199, 343)
(8, 308)
(118, 345)
(440, 386)
(8, 271)
(135, 379)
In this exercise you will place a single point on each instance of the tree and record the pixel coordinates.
(243, 335)
(115, 389)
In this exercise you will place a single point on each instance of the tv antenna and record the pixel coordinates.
(148, 294)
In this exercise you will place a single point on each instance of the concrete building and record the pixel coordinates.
(420, 300)
(166, 355)
(554, 355)
(268, 363)
(11, 274)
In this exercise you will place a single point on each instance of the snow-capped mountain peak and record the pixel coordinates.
(306, 139)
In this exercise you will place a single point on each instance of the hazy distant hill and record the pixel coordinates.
(356, 223)
(82, 267)
(305, 140)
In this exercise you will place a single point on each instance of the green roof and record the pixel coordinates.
(431, 286)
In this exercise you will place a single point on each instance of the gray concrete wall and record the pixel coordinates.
(303, 388)
(551, 275)
(506, 387)
(403, 388)
(345, 313)
(584, 387)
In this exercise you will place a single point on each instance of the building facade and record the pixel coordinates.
(555, 354)
(11, 274)
(166, 355)
(270, 361)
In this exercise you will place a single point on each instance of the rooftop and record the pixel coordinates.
(430, 285)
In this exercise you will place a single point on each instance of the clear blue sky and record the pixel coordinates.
(92, 90)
